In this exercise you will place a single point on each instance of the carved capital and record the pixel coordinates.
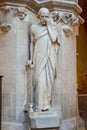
(68, 20)
(7, 14)
(65, 18)
(5, 27)
(20, 13)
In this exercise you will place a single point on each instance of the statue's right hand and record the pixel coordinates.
(29, 64)
(48, 21)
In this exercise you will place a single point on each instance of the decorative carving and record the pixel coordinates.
(67, 19)
(5, 23)
(6, 16)
(67, 30)
(6, 27)
(21, 13)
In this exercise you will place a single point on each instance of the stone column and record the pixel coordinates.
(14, 41)
(67, 25)
(0, 99)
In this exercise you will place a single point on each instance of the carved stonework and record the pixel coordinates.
(7, 14)
(67, 19)
(21, 13)
(6, 27)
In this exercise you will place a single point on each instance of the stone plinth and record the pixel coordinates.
(47, 119)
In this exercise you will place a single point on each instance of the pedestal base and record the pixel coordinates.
(47, 119)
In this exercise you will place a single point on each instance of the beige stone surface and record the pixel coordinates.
(68, 75)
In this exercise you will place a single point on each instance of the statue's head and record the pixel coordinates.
(43, 15)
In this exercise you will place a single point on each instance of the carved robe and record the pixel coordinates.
(44, 60)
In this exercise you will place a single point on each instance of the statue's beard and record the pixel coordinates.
(43, 22)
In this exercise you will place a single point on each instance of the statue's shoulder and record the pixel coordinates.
(34, 27)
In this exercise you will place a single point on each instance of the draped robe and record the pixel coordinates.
(44, 60)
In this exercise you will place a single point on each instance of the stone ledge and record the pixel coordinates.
(35, 5)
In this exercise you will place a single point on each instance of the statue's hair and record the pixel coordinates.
(44, 10)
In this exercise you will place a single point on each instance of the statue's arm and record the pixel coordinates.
(53, 33)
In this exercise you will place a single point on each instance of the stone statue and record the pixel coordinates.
(44, 48)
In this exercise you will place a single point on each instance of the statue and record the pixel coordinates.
(44, 47)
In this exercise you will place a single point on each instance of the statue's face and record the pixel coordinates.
(44, 17)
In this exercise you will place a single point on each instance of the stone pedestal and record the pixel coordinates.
(48, 119)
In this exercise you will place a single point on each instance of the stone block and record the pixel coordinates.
(47, 119)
